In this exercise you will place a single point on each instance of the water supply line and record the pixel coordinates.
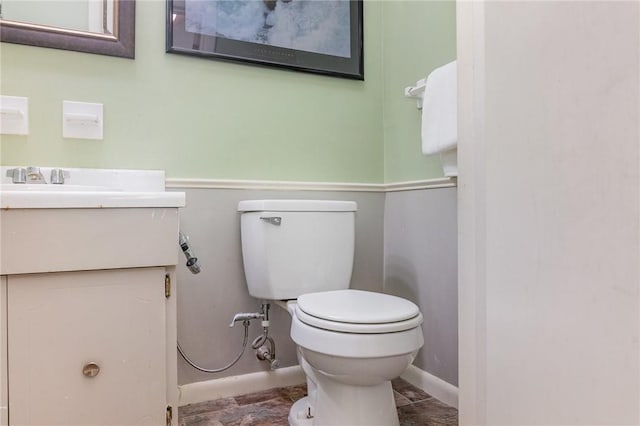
(263, 353)
(194, 267)
(245, 323)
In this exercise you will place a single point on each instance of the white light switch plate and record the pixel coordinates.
(14, 115)
(82, 120)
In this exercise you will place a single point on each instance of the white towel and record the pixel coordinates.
(449, 161)
(440, 110)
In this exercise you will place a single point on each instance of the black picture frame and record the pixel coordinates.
(181, 41)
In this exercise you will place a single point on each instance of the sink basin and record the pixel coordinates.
(53, 188)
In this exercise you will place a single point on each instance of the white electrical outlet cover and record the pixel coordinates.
(82, 120)
(14, 115)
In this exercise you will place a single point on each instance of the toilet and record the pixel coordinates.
(350, 343)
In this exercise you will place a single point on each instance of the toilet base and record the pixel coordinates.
(339, 405)
(298, 413)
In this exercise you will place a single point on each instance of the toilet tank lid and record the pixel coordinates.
(297, 206)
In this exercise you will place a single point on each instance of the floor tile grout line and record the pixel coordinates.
(422, 400)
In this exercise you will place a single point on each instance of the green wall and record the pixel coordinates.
(418, 37)
(200, 118)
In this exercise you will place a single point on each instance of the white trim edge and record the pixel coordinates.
(432, 385)
(208, 390)
(444, 182)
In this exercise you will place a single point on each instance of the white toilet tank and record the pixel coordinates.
(293, 247)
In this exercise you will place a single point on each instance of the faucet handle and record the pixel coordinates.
(245, 316)
(17, 175)
(58, 176)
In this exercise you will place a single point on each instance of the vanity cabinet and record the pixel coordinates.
(87, 347)
(87, 323)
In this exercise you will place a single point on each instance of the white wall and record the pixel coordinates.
(549, 198)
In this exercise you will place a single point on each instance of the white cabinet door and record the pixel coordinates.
(60, 323)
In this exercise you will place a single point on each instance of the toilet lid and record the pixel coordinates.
(357, 311)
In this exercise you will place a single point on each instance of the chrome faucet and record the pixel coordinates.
(34, 175)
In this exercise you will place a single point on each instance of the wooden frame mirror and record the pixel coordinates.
(118, 42)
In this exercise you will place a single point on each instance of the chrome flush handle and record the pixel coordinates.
(274, 220)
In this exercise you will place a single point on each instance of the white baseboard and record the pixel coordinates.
(193, 393)
(432, 385)
(239, 385)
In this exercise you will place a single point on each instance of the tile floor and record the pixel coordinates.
(271, 408)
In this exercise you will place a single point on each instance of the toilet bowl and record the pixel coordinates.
(350, 343)
(353, 348)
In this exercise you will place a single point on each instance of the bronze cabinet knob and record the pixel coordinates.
(91, 369)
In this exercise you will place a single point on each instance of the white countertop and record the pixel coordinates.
(91, 188)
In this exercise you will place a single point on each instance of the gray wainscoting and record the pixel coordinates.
(208, 301)
(420, 264)
(406, 244)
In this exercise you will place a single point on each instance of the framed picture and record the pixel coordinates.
(317, 36)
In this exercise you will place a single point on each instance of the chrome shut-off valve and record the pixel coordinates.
(267, 352)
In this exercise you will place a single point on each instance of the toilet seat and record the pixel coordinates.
(355, 345)
(356, 311)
